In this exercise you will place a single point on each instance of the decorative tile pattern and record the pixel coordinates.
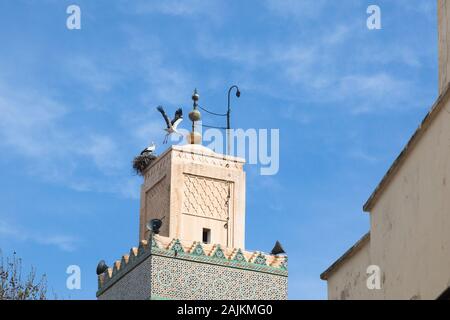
(260, 259)
(198, 250)
(177, 270)
(134, 285)
(177, 247)
(284, 264)
(218, 253)
(239, 256)
(206, 197)
(182, 279)
(154, 244)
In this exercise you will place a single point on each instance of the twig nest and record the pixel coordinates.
(142, 162)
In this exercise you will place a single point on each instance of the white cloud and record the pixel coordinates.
(338, 35)
(297, 60)
(167, 80)
(426, 9)
(102, 150)
(238, 52)
(145, 128)
(294, 113)
(170, 7)
(362, 155)
(36, 126)
(395, 54)
(378, 85)
(196, 9)
(62, 242)
(26, 118)
(93, 74)
(307, 67)
(296, 8)
(33, 127)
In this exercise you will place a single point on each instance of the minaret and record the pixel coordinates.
(199, 194)
(199, 251)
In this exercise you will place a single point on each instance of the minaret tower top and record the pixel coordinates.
(198, 193)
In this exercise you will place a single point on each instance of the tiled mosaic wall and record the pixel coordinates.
(163, 277)
(134, 285)
(182, 279)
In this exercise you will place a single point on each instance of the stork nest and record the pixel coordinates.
(141, 162)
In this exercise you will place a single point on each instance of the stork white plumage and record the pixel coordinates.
(171, 124)
(150, 149)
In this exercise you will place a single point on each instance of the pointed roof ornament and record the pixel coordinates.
(277, 249)
(194, 116)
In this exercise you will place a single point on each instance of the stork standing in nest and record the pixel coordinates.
(171, 124)
(150, 149)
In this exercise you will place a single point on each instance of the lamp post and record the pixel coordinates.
(238, 94)
(228, 115)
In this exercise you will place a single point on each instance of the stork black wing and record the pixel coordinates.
(178, 115)
(166, 118)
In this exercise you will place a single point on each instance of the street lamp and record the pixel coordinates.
(238, 94)
(228, 115)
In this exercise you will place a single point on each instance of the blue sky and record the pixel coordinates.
(76, 106)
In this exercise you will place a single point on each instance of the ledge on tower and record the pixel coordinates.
(175, 269)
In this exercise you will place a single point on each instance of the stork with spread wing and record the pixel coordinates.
(171, 124)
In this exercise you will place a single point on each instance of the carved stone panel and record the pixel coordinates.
(206, 197)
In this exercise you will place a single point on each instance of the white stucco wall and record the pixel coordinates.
(349, 280)
(410, 225)
(410, 212)
(410, 222)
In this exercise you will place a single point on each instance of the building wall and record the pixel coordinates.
(410, 213)
(195, 188)
(181, 279)
(195, 278)
(155, 196)
(410, 222)
(410, 226)
(349, 280)
(134, 285)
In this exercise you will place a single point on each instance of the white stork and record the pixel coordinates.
(171, 124)
(150, 149)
